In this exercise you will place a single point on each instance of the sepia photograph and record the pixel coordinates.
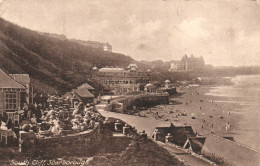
(130, 82)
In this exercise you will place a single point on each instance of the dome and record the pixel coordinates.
(167, 81)
(149, 85)
(133, 69)
(95, 68)
(148, 70)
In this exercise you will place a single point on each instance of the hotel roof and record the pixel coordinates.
(7, 82)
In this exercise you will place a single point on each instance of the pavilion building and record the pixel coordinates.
(14, 91)
(121, 80)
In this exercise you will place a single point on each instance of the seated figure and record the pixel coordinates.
(44, 128)
(75, 126)
(3, 126)
(55, 128)
(33, 119)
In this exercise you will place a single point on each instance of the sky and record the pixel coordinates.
(224, 32)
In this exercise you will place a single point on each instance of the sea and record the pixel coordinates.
(244, 95)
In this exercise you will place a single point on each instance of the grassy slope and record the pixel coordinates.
(140, 152)
(53, 63)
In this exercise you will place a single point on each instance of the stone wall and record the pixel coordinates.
(179, 134)
(143, 100)
(171, 91)
(84, 142)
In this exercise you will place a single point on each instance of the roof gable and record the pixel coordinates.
(83, 93)
(196, 143)
(21, 78)
(86, 86)
(7, 82)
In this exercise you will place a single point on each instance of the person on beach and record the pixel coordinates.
(228, 126)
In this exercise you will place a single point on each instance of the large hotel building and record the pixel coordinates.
(188, 64)
(121, 80)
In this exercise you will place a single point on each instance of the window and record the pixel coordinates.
(10, 100)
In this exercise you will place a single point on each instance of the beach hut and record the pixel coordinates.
(179, 133)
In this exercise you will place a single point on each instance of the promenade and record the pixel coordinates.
(149, 125)
(140, 123)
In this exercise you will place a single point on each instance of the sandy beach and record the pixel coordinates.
(192, 107)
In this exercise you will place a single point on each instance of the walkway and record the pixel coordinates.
(140, 123)
(149, 125)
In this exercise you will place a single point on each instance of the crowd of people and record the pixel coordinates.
(56, 116)
(55, 122)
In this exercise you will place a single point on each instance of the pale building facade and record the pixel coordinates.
(121, 80)
(107, 47)
(94, 44)
(187, 64)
